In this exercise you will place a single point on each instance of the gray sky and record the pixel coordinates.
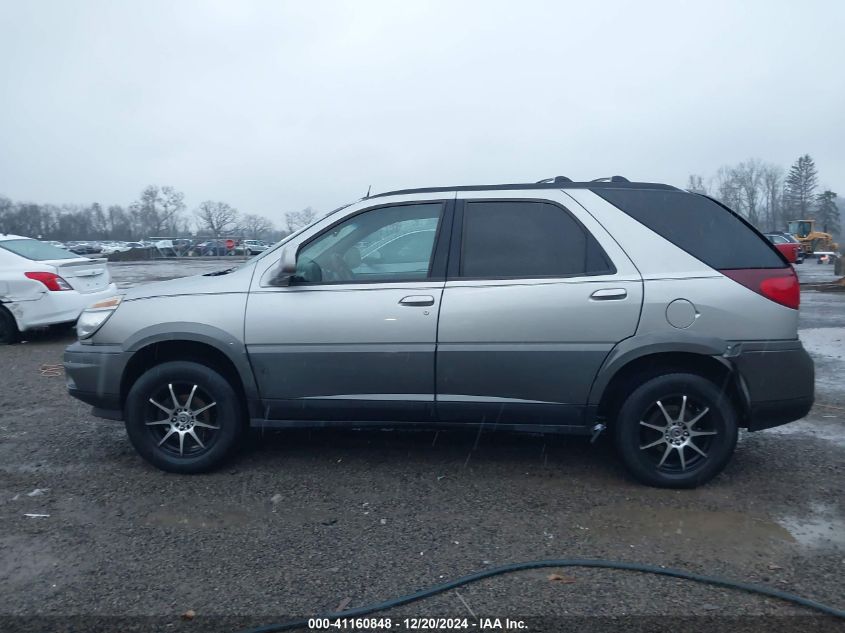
(272, 106)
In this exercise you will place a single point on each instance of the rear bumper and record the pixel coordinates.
(778, 378)
(93, 374)
(56, 307)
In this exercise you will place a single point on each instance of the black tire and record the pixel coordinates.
(203, 447)
(8, 328)
(665, 457)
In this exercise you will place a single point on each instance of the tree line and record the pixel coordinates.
(764, 193)
(769, 197)
(159, 211)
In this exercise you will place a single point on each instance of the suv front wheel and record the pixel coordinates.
(676, 431)
(183, 417)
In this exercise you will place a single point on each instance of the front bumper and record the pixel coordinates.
(778, 378)
(93, 375)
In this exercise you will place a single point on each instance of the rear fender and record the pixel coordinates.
(654, 343)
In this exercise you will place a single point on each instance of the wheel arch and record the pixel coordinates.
(634, 361)
(220, 352)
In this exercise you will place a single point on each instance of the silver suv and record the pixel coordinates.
(560, 306)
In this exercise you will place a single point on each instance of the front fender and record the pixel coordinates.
(210, 335)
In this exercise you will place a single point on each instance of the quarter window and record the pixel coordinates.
(386, 244)
(527, 239)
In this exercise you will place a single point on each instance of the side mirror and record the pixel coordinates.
(286, 267)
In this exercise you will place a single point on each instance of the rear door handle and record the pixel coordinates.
(417, 300)
(609, 294)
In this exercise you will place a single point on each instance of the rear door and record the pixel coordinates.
(535, 299)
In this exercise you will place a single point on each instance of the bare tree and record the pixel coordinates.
(216, 217)
(747, 178)
(158, 209)
(772, 178)
(695, 184)
(255, 226)
(298, 219)
(727, 187)
(172, 205)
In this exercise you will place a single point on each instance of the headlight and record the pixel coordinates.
(94, 316)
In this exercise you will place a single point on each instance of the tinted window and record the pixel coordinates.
(387, 244)
(703, 228)
(526, 239)
(35, 250)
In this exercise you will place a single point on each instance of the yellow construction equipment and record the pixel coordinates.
(811, 240)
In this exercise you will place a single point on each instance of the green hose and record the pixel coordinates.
(564, 562)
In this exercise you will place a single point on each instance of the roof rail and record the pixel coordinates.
(607, 183)
(557, 180)
(611, 179)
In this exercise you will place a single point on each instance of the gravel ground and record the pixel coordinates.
(303, 522)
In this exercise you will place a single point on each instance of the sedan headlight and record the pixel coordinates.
(94, 316)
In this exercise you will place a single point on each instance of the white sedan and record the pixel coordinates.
(41, 285)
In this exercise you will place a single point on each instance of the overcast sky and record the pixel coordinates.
(272, 106)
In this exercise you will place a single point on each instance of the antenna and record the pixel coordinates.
(368, 191)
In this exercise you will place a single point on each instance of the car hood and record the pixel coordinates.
(236, 281)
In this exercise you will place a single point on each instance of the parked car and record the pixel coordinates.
(791, 238)
(790, 249)
(84, 248)
(108, 248)
(211, 248)
(655, 315)
(251, 247)
(42, 285)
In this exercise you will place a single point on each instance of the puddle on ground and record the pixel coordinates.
(822, 527)
(715, 530)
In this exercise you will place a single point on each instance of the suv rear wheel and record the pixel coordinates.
(183, 417)
(676, 431)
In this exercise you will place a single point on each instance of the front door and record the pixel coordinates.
(532, 306)
(353, 336)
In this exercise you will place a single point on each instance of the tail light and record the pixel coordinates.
(51, 280)
(778, 284)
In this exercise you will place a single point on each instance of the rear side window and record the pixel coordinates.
(527, 239)
(698, 225)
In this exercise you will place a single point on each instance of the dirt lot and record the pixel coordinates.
(304, 522)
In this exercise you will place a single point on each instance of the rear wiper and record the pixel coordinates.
(217, 273)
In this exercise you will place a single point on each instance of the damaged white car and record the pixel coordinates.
(43, 285)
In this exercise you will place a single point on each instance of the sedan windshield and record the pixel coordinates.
(35, 250)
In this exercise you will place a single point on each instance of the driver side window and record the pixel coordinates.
(385, 244)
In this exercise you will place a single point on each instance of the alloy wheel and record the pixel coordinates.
(189, 426)
(676, 433)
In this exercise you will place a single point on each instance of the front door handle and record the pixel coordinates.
(417, 300)
(609, 294)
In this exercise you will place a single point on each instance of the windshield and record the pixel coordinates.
(801, 229)
(35, 250)
(275, 247)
